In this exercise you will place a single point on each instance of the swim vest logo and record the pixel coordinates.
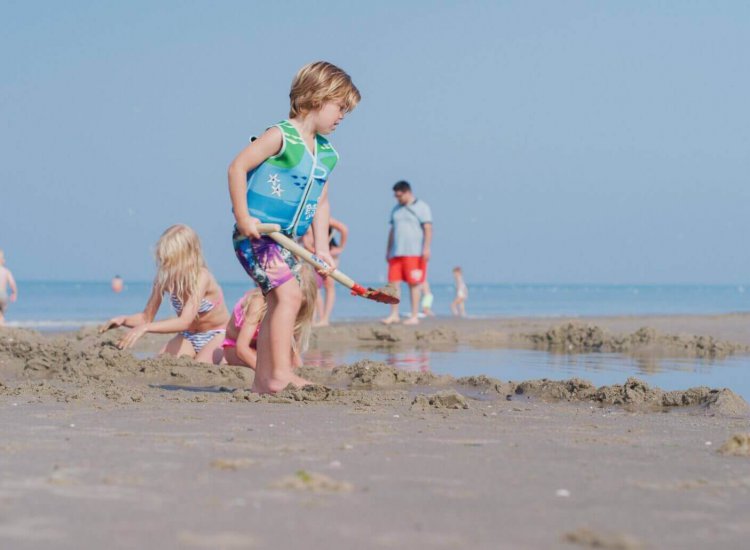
(310, 210)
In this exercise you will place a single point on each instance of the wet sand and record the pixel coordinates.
(99, 448)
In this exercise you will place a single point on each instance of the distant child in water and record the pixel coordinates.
(6, 280)
(241, 342)
(282, 178)
(462, 293)
(194, 294)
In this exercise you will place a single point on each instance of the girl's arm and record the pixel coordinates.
(343, 231)
(246, 354)
(320, 228)
(145, 316)
(267, 145)
(169, 326)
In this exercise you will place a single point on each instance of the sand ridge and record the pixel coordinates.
(89, 366)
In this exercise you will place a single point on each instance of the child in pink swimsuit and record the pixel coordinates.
(241, 341)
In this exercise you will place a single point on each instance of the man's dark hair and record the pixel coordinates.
(402, 186)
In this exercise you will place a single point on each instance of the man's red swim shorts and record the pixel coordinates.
(410, 269)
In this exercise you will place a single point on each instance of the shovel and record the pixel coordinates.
(381, 295)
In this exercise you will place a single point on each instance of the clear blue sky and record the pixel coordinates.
(555, 141)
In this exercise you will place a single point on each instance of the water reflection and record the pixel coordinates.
(516, 364)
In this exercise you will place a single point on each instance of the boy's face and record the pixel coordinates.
(329, 116)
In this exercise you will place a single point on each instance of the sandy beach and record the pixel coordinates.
(101, 448)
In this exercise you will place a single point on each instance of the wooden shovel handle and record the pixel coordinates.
(274, 231)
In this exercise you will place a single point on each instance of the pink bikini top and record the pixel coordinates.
(239, 317)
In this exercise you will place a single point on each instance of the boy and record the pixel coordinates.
(282, 178)
(6, 280)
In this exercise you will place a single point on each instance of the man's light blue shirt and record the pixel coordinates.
(408, 233)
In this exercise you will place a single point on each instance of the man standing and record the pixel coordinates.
(408, 247)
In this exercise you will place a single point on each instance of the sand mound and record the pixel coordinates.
(312, 392)
(577, 337)
(368, 374)
(449, 399)
(636, 395)
(563, 390)
(737, 445)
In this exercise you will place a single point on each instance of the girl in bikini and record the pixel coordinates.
(194, 294)
(241, 342)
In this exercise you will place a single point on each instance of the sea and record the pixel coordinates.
(61, 306)
(47, 305)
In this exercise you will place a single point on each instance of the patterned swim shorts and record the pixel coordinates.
(269, 264)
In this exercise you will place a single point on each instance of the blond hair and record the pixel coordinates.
(303, 322)
(179, 261)
(304, 319)
(318, 82)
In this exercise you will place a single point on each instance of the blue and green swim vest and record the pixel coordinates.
(285, 189)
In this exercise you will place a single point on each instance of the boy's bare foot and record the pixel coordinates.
(412, 321)
(391, 319)
(298, 381)
(276, 385)
(321, 323)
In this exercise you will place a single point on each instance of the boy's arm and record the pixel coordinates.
(307, 241)
(427, 228)
(267, 145)
(320, 228)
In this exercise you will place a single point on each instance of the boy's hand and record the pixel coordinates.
(426, 254)
(248, 227)
(325, 255)
(114, 322)
(132, 336)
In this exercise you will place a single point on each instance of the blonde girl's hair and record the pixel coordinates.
(303, 323)
(179, 261)
(318, 82)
